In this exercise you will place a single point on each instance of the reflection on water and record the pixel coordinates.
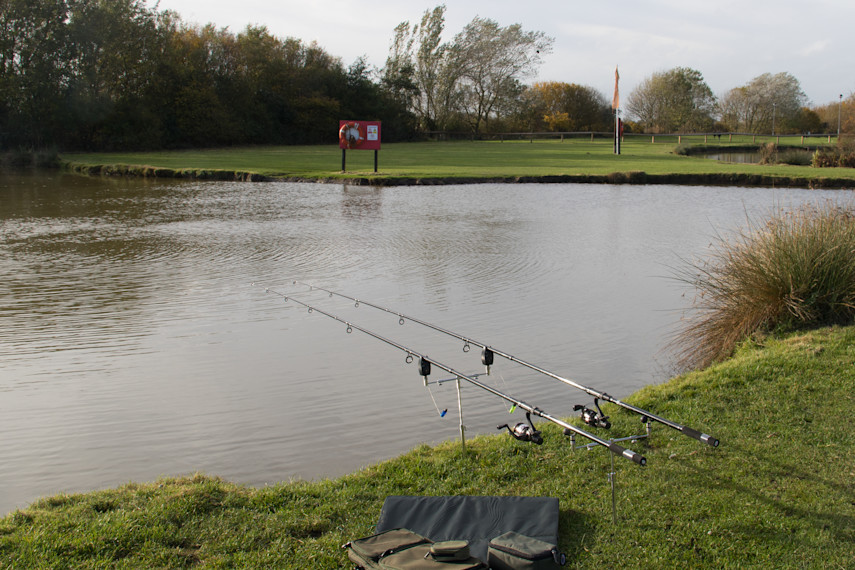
(133, 345)
(735, 157)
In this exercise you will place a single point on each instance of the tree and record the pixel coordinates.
(418, 69)
(678, 100)
(768, 102)
(34, 67)
(114, 47)
(475, 76)
(841, 111)
(570, 107)
(489, 62)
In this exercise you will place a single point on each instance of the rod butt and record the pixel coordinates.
(702, 437)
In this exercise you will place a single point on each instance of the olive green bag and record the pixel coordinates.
(514, 551)
(401, 549)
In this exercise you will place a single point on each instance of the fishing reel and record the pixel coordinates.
(595, 418)
(524, 432)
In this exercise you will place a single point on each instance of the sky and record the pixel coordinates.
(729, 41)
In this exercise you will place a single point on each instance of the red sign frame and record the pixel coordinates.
(359, 135)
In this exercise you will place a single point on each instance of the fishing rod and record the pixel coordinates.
(520, 431)
(591, 417)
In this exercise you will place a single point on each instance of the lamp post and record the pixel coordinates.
(773, 119)
(839, 107)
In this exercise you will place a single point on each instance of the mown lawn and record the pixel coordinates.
(443, 160)
(779, 492)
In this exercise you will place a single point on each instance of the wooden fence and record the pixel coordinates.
(670, 138)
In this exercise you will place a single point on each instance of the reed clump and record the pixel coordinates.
(795, 270)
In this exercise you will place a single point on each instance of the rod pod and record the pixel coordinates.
(402, 318)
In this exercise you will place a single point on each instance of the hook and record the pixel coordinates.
(466, 347)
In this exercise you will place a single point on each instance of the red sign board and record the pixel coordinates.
(359, 135)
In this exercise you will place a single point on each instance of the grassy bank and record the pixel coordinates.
(778, 493)
(573, 160)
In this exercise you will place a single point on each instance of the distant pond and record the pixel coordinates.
(133, 345)
(736, 157)
(743, 157)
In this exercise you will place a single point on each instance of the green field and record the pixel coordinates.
(576, 159)
(779, 492)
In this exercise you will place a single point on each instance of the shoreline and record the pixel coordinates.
(627, 177)
(737, 505)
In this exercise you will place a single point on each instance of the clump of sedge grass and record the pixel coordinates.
(795, 270)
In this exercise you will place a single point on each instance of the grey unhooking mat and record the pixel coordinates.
(476, 519)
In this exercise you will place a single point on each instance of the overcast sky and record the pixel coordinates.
(730, 42)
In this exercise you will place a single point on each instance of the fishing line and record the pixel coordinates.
(487, 359)
(425, 364)
(441, 413)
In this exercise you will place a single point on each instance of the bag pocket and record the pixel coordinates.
(365, 552)
(420, 557)
(514, 551)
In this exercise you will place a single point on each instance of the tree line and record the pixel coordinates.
(115, 74)
(679, 100)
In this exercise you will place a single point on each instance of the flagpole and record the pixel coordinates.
(616, 107)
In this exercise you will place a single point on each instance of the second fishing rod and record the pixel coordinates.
(425, 368)
(592, 417)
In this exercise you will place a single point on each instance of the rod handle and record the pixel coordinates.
(628, 453)
(702, 437)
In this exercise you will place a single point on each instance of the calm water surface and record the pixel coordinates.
(133, 345)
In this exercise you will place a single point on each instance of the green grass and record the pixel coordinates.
(778, 493)
(577, 158)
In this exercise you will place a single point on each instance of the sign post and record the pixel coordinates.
(359, 135)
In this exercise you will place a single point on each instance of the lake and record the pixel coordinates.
(135, 346)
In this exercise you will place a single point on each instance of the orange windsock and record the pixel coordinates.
(616, 99)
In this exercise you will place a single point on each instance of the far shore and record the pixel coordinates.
(478, 162)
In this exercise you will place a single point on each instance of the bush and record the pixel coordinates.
(796, 270)
(842, 155)
(768, 153)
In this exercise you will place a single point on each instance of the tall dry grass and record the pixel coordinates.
(794, 270)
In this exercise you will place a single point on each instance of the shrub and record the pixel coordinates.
(841, 155)
(768, 153)
(795, 270)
